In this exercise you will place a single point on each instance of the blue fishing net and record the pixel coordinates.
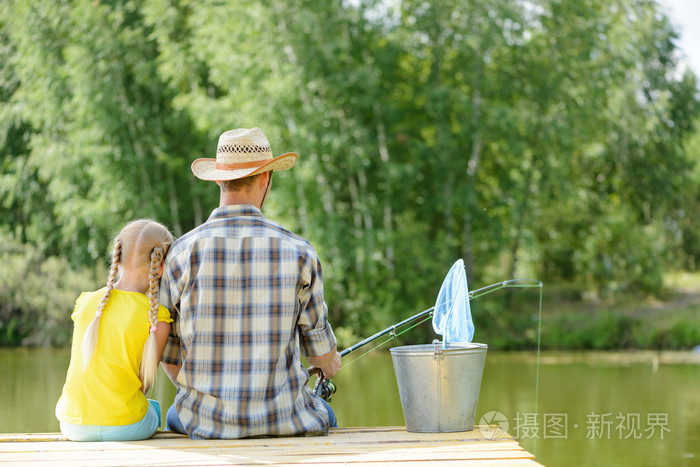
(452, 318)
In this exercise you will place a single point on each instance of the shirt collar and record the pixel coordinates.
(235, 210)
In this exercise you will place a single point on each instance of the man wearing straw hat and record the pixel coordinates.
(247, 296)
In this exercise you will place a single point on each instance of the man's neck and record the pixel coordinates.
(230, 198)
(255, 195)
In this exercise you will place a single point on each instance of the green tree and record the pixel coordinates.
(543, 138)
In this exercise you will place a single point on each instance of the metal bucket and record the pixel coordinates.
(439, 388)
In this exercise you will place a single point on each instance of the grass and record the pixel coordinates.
(572, 321)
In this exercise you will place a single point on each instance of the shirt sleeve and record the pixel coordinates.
(164, 315)
(170, 299)
(78, 304)
(316, 336)
(171, 351)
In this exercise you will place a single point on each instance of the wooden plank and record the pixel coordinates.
(336, 437)
(480, 432)
(187, 458)
(116, 447)
(343, 446)
(272, 453)
(338, 463)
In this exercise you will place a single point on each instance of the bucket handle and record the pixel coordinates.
(437, 352)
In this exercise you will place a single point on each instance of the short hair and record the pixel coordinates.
(240, 184)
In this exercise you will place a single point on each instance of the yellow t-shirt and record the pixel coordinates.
(108, 392)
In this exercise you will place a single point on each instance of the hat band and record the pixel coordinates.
(241, 165)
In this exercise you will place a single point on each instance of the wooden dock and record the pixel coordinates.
(378, 446)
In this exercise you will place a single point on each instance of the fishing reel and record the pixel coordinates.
(324, 388)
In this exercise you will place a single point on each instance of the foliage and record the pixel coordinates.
(37, 295)
(542, 138)
(619, 325)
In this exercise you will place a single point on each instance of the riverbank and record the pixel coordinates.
(571, 320)
(668, 323)
(614, 328)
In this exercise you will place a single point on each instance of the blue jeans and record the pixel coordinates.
(143, 429)
(173, 422)
(332, 419)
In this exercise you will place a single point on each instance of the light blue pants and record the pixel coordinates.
(143, 429)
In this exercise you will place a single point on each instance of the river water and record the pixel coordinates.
(622, 409)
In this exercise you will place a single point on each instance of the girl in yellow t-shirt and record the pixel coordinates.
(118, 337)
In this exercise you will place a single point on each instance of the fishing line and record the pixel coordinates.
(513, 283)
(537, 367)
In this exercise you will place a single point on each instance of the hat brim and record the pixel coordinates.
(205, 168)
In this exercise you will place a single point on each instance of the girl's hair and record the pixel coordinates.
(142, 245)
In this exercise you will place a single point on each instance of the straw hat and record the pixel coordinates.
(241, 153)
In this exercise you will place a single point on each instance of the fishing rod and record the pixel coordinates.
(388, 330)
(502, 285)
(325, 388)
(470, 295)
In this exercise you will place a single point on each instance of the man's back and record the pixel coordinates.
(248, 295)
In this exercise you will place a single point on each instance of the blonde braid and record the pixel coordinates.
(149, 359)
(90, 338)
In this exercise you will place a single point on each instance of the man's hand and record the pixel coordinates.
(328, 363)
(332, 368)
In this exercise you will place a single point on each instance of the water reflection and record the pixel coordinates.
(639, 408)
(31, 381)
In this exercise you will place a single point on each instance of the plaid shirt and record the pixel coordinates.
(247, 299)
